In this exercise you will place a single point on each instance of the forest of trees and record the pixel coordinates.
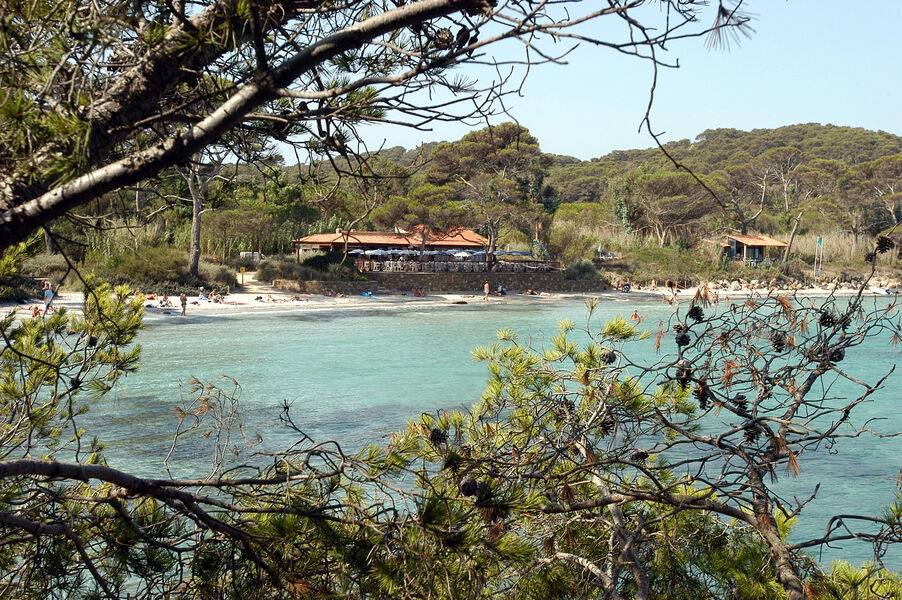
(821, 180)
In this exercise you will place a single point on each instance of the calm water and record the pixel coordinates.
(356, 377)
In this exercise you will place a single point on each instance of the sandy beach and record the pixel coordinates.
(259, 298)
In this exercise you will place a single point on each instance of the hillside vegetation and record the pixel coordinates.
(662, 215)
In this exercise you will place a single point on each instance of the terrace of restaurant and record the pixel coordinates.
(458, 251)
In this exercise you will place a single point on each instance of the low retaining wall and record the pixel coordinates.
(448, 282)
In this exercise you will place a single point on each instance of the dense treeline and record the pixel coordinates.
(804, 179)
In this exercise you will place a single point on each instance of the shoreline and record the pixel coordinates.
(240, 304)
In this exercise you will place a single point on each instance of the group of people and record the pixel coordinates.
(487, 291)
(48, 294)
(211, 296)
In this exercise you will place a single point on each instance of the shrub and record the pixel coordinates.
(321, 262)
(539, 250)
(156, 269)
(571, 242)
(582, 270)
(46, 266)
(286, 268)
(217, 275)
(151, 263)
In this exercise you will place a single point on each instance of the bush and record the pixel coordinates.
(46, 266)
(281, 267)
(156, 269)
(320, 267)
(582, 270)
(571, 242)
(322, 262)
(151, 263)
(218, 275)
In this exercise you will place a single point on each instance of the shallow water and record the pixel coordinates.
(356, 377)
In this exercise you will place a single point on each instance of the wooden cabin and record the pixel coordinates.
(751, 249)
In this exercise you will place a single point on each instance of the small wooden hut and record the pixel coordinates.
(751, 249)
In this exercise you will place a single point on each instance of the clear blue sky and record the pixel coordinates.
(809, 61)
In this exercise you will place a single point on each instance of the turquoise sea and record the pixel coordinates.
(356, 376)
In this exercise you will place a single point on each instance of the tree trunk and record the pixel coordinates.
(792, 235)
(197, 204)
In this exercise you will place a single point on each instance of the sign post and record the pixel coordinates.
(818, 257)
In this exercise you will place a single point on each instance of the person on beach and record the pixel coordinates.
(635, 316)
(485, 290)
(184, 300)
(48, 295)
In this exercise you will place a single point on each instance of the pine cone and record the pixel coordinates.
(437, 436)
(826, 319)
(606, 427)
(469, 486)
(443, 38)
(778, 342)
(701, 394)
(742, 405)
(837, 354)
(682, 339)
(884, 244)
(752, 431)
(609, 357)
(870, 257)
(683, 372)
(696, 313)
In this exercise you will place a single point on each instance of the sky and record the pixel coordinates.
(808, 61)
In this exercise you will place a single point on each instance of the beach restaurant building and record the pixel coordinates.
(348, 240)
(751, 249)
(460, 250)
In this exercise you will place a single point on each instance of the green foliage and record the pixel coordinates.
(583, 270)
(14, 286)
(539, 250)
(218, 275)
(46, 266)
(568, 479)
(11, 261)
(68, 360)
(319, 267)
(153, 263)
(845, 582)
(322, 262)
(274, 268)
(155, 269)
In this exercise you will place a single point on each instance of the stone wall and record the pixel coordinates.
(447, 282)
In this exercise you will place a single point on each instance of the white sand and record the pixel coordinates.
(245, 302)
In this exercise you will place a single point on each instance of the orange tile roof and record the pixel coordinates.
(375, 238)
(458, 237)
(463, 238)
(757, 240)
